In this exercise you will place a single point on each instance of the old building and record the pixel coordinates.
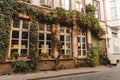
(69, 45)
(113, 25)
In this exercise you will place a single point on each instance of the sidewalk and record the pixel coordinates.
(50, 74)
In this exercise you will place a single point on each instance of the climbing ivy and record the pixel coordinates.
(12, 8)
(6, 11)
(33, 40)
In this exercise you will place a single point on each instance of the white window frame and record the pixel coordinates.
(45, 32)
(97, 6)
(82, 35)
(79, 5)
(115, 42)
(20, 30)
(113, 10)
(64, 47)
(65, 5)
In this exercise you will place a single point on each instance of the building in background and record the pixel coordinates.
(112, 10)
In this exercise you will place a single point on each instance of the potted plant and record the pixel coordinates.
(44, 55)
(14, 55)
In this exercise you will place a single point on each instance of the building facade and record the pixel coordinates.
(113, 27)
(76, 46)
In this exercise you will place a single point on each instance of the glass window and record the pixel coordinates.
(24, 35)
(15, 34)
(79, 5)
(97, 6)
(16, 23)
(65, 4)
(19, 37)
(115, 42)
(81, 43)
(25, 24)
(65, 41)
(113, 10)
(41, 36)
(48, 3)
(113, 13)
(41, 27)
(45, 39)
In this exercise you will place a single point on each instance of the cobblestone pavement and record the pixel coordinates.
(107, 75)
(47, 75)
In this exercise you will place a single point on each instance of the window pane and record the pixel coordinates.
(67, 38)
(61, 37)
(14, 44)
(41, 27)
(67, 45)
(24, 44)
(48, 45)
(15, 34)
(67, 30)
(62, 45)
(41, 44)
(83, 40)
(79, 52)
(41, 36)
(48, 36)
(13, 50)
(25, 24)
(67, 51)
(16, 23)
(79, 39)
(23, 52)
(84, 53)
(83, 46)
(62, 51)
(79, 45)
(24, 35)
(62, 29)
(49, 28)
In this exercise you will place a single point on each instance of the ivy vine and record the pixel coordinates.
(33, 40)
(12, 8)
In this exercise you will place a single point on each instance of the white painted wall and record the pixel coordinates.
(113, 26)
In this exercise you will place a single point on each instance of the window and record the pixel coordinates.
(81, 43)
(97, 6)
(65, 40)
(19, 41)
(115, 42)
(113, 10)
(47, 3)
(79, 5)
(45, 39)
(65, 4)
